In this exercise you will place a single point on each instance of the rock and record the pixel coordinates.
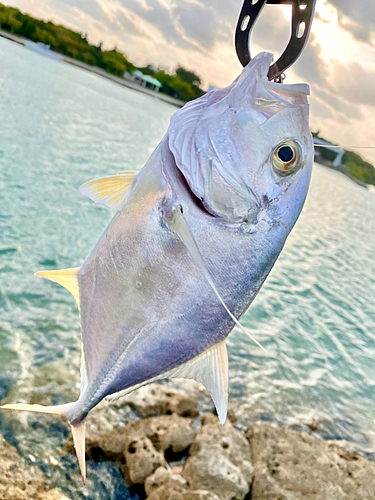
(154, 399)
(163, 476)
(232, 415)
(167, 493)
(164, 484)
(54, 494)
(169, 432)
(314, 424)
(140, 445)
(19, 481)
(140, 460)
(165, 432)
(290, 465)
(219, 460)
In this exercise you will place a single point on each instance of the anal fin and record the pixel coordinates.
(209, 368)
(109, 191)
(68, 278)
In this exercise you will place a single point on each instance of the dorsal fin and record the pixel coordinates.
(177, 222)
(68, 278)
(109, 191)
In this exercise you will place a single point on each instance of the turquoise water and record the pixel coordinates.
(61, 126)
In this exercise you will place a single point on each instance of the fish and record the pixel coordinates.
(194, 236)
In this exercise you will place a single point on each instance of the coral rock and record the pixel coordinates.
(54, 494)
(173, 493)
(141, 459)
(164, 476)
(219, 460)
(140, 445)
(19, 481)
(290, 465)
(155, 399)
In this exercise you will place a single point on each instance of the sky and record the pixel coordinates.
(338, 63)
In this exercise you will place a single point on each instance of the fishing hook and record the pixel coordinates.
(302, 17)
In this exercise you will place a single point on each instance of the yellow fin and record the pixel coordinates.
(109, 191)
(68, 278)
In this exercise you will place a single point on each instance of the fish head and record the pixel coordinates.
(246, 151)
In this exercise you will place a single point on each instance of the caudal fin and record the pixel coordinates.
(78, 430)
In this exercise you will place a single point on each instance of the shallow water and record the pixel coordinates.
(61, 126)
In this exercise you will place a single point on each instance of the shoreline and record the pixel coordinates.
(98, 71)
(134, 86)
(341, 170)
(175, 449)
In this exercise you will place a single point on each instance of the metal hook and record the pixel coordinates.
(302, 16)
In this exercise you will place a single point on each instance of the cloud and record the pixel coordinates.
(199, 35)
(355, 82)
(318, 17)
(311, 64)
(343, 110)
(200, 23)
(357, 17)
(159, 15)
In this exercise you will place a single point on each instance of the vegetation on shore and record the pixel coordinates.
(352, 164)
(183, 84)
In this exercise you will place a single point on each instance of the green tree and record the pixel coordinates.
(188, 76)
(359, 168)
(183, 84)
(114, 62)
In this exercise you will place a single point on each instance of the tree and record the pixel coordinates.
(188, 76)
(184, 84)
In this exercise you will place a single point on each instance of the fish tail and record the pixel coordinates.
(78, 430)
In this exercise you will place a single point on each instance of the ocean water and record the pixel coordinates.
(61, 126)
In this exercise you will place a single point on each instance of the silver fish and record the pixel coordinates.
(195, 235)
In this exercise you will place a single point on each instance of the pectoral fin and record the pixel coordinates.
(109, 191)
(180, 227)
(68, 278)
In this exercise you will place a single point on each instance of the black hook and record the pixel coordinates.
(302, 16)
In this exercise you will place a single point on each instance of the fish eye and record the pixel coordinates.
(286, 158)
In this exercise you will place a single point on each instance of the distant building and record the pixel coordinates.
(152, 82)
(145, 80)
(327, 145)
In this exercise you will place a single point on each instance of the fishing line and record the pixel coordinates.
(339, 147)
